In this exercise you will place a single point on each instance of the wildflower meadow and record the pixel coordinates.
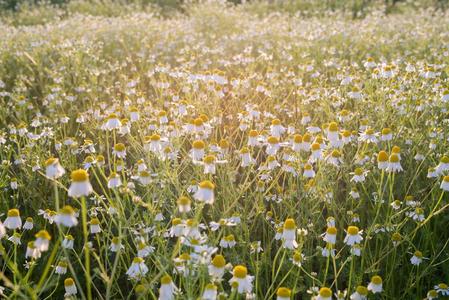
(215, 150)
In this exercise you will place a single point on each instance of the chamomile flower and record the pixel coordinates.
(184, 204)
(114, 180)
(70, 287)
(324, 294)
(66, 217)
(80, 184)
(289, 234)
(28, 225)
(353, 236)
(283, 293)
(375, 286)
(116, 244)
(42, 241)
(210, 292)
(168, 288)
(68, 242)
(445, 184)
(61, 267)
(198, 150)
(217, 266)
(442, 289)
(112, 122)
(242, 279)
(361, 293)
(205, 192)
(13, 220)
(330, 236)
(53, 168)
(137, 269)
(119, 150)
(94, 226)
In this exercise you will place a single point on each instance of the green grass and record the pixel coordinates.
(101, 58)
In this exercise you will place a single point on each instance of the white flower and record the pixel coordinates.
(353, 236)
(80, 184)
(205, 192)
(53, 168)
(70, 288)
(13, 220)
(242, 279)
(137, 268)
(375, 286)
(168, 288)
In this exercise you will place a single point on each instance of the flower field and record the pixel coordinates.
(225, 153)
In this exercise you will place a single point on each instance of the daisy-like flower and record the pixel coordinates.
(29, 224)
(80, 184)
(210, 292)
(289, 234)
(144, 178)
(143, 250)
(112, 122)
(361, 293)
(94, 226)
(276, 128)
(116, 244)
(283, 293)
(119, 150)
(70, 287)
(61, 267)
(324, 294)
(394, 164)
(168, 288)
(386, 135)
(184, 204)
(353, 236)
(432, 294)
(217, 266)
(443, 165)
(242, 279)
(137, 268)
(375, 286)
(273, 145)
(205, 192)
(417, 258)
(198, 150)
(245, 155)
(330, 236)
(53, 168)
(333, 135)
(368, 136)
(444, 184)
(442, 289)
(308, 171)
(359, 175)
(228, 241)
(32, 251)
(114, 180)
(382, 160)
(42, 241)
(13, 220)
(66, 217)
(68, 242)
(15, 238)
(297, 258)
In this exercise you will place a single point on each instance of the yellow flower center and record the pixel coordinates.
(219, 261)
(240, 271)
(13, 212)
(79, 175)
(289, 224)
(353, 230)
(198, 144)
(283, 292)
(325, 292)
(206, 184)
(376, 279)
